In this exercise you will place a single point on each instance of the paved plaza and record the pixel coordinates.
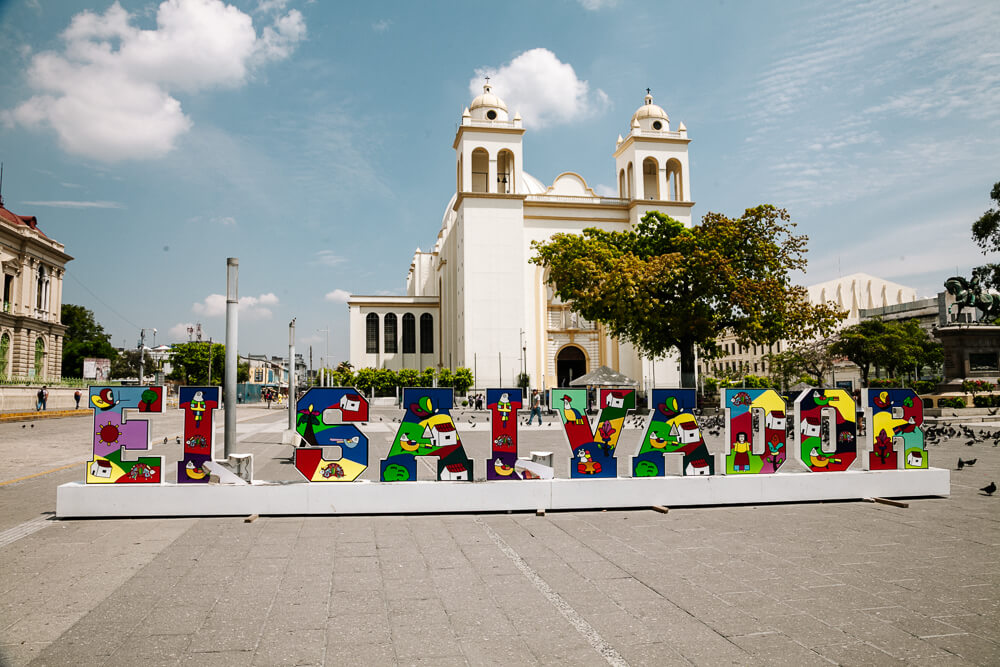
(795, 584)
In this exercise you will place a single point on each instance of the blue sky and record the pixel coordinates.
(313, 139)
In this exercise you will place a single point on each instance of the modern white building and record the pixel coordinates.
(474, 300)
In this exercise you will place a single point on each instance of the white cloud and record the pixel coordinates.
(251, 307)
(328, 258)
(338, 296)
(382, 25)
(179, 332)
(225, 221)
(594, 5)
(75, 204)
(109, 94)
(544, 89)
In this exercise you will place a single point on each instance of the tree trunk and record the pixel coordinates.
(688, 378)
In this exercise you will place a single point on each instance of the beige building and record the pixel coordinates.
(31, 334)
(859, 295)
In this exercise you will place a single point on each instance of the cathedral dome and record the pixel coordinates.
(488, 106)
(651, 116)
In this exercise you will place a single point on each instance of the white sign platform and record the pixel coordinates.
(80, 500)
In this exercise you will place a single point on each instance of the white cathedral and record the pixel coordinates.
(474, 300)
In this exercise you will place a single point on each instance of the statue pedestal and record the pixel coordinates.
(971, 351)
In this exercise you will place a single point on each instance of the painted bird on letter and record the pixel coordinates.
(570, 413)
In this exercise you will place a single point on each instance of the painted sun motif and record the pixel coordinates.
(109, 433)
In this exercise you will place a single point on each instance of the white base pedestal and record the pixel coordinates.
(78, 500)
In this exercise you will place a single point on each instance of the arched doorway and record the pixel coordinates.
(571, 363)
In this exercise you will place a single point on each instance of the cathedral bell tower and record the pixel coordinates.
(651, 164)
(488, 147)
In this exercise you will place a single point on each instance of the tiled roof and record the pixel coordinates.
(20, 220)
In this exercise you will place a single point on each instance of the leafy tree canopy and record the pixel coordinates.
(661, 285)
(893, 346)
(85, 337)
(189, 362)
(986, 233)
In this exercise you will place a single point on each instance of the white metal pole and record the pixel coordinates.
(291, 374)
(232, 327)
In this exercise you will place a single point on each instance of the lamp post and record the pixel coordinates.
(229, 379)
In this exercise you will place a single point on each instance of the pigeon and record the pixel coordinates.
(961, 464)
(164, 440)
(178, 440)
(32, 426)
(24, 426)
(989, 489)
(970, 443)
(970, 462)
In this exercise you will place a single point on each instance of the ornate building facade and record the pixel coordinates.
(475, 300)
(31, 333)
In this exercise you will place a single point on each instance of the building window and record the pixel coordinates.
(480, 170)
(42, 290)
(426, 333)
(4, 354)
(371, 333)
(409, 334)
(389, 325)
(39, 369)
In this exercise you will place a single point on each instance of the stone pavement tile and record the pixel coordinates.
(890, 639)
(416, 638)
(341, 653)
(924, 626)
(307, 614)
(856, 653)
(177, 618)
(291, 647)
(20, 653)
(484, 625)
(759, 604)
(724, 618)
(343, 605)
(985, 626)
(776, 649)
(150, 650)
(218, 659)
(355, 565)
(500, 651)
(659, 654)
(359, 629)
(619, 627)
(40, 626)
(807, 630)
(704, 646)
(628, 592)
(563, 646)
(970, 647)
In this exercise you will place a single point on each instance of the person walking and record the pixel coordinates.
(43, 395)
(76, 397)
(536, 407)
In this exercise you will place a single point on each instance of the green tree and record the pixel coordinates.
(190, 363)
(386, 382)
(892, 346)
(662, 286)
(986, 233)
(445, 377)
(85, 337)
(365, 379)
(462, 380)
(126, 364)
(408, 377)
(243, 372)
(426, 378)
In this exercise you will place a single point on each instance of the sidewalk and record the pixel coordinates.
(797, 584)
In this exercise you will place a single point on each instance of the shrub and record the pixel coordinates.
(982, 401)
(951, 403)
(976, 386)
(878, 383)
(923, 386)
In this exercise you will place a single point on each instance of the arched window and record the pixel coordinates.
(371, 333)
(426, 333)
(650, 178)
(409, 333)
(4, 354)
(630, 179)
(42, 289)
(389, 329)
(621, 184)
(675, 188)
(505, 172)
(39, 369)
(458, 178)
(480, 170)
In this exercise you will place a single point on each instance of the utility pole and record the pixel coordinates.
(142, 351)
(326, 360)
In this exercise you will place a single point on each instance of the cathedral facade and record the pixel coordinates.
(475, 300)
